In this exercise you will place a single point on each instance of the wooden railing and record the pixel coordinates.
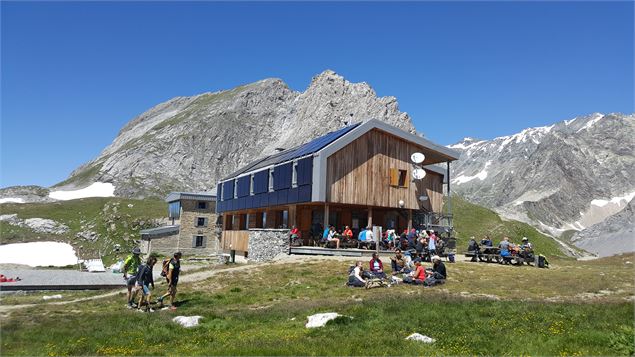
(236, 240)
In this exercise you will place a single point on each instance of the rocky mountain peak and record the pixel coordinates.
(188, 143)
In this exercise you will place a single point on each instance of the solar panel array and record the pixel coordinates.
(293, 153)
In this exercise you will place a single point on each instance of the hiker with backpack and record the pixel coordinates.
(144, 280)
(130, 268)
(171, 270)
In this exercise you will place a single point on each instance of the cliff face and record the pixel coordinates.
(188, 143)
(564, 177)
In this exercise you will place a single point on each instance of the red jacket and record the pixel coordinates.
(372, 264)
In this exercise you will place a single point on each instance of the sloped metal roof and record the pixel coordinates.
(199, 196)
(294, 153)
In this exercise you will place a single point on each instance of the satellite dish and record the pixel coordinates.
(418, 174)
(417, 157)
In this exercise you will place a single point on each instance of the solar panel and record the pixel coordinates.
(298, 151)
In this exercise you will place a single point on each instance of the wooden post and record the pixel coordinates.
(326, 216)
(292, 215)
(370, 217)
(409, 219)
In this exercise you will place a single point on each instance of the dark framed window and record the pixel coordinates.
(201, 221)
(199, 241)
(202, 205)
(403, 178)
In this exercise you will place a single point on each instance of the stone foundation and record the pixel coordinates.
(265, 244)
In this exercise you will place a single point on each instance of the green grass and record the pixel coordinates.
(262, 311)
(473, 220)
(96, 214)
(84, 177)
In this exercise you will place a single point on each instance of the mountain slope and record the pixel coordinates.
(567, 176)
(615, 234)
(188, 143)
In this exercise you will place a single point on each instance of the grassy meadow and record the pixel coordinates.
(573, 308)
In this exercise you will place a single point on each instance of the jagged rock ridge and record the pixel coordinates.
(563, 177)
(188, 143)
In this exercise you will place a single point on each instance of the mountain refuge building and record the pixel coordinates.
(358, 176)
(192, 229)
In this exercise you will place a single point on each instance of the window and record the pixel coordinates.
(220, 191)
(271, 180)
(236, 188)
(201, 222)
(202, 205)
(174, 210)
(403, 178)
(398, 178)
(294, 175)
(199, 242)
(251, 185)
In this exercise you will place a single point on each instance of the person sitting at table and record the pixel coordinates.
(398, 263)
(376, 267)
(487, 242)
(526, 249)
(505, 253)
(332, 237)
(473, 248)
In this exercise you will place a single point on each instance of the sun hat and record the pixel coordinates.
(525, 238)
(436, 257)
(136, 250)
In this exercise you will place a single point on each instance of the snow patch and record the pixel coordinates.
(187, 321)
(590, 123)
(482, 175)
(97, 189)
(38, 254)
(615, 200)
(11, 200)
(49, 297)
(533, 134)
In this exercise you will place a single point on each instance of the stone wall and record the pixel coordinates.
(189, 229)
(265, 244)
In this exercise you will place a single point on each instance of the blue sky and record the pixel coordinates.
(73, 73)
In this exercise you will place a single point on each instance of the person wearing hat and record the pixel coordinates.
(437, 274)
(526, 249)
(130, 267)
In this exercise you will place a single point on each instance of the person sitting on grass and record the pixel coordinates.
(172, 278)
(130, 268)
(376, 267)
(418, 276)
(437, 274)
(398, 263)
(355, 276)
(144, 280)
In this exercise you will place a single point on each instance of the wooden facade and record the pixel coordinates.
(363, 173)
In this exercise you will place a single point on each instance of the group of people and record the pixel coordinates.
(139, 278)
(421, 241)
(506, 249)
(410, 269)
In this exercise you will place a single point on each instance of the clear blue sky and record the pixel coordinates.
(74, 73)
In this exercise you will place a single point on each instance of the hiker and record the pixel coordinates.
(348, 233)
(331, 237)
(411, 236)
(376, 267)
(437, 274)
(130, 268)
(398, 263)
(355, 276)
(144, 280)
(172, 278)
(418, 276)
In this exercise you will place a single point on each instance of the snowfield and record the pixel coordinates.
(38, 254)
(97, 189)
(11, 200)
